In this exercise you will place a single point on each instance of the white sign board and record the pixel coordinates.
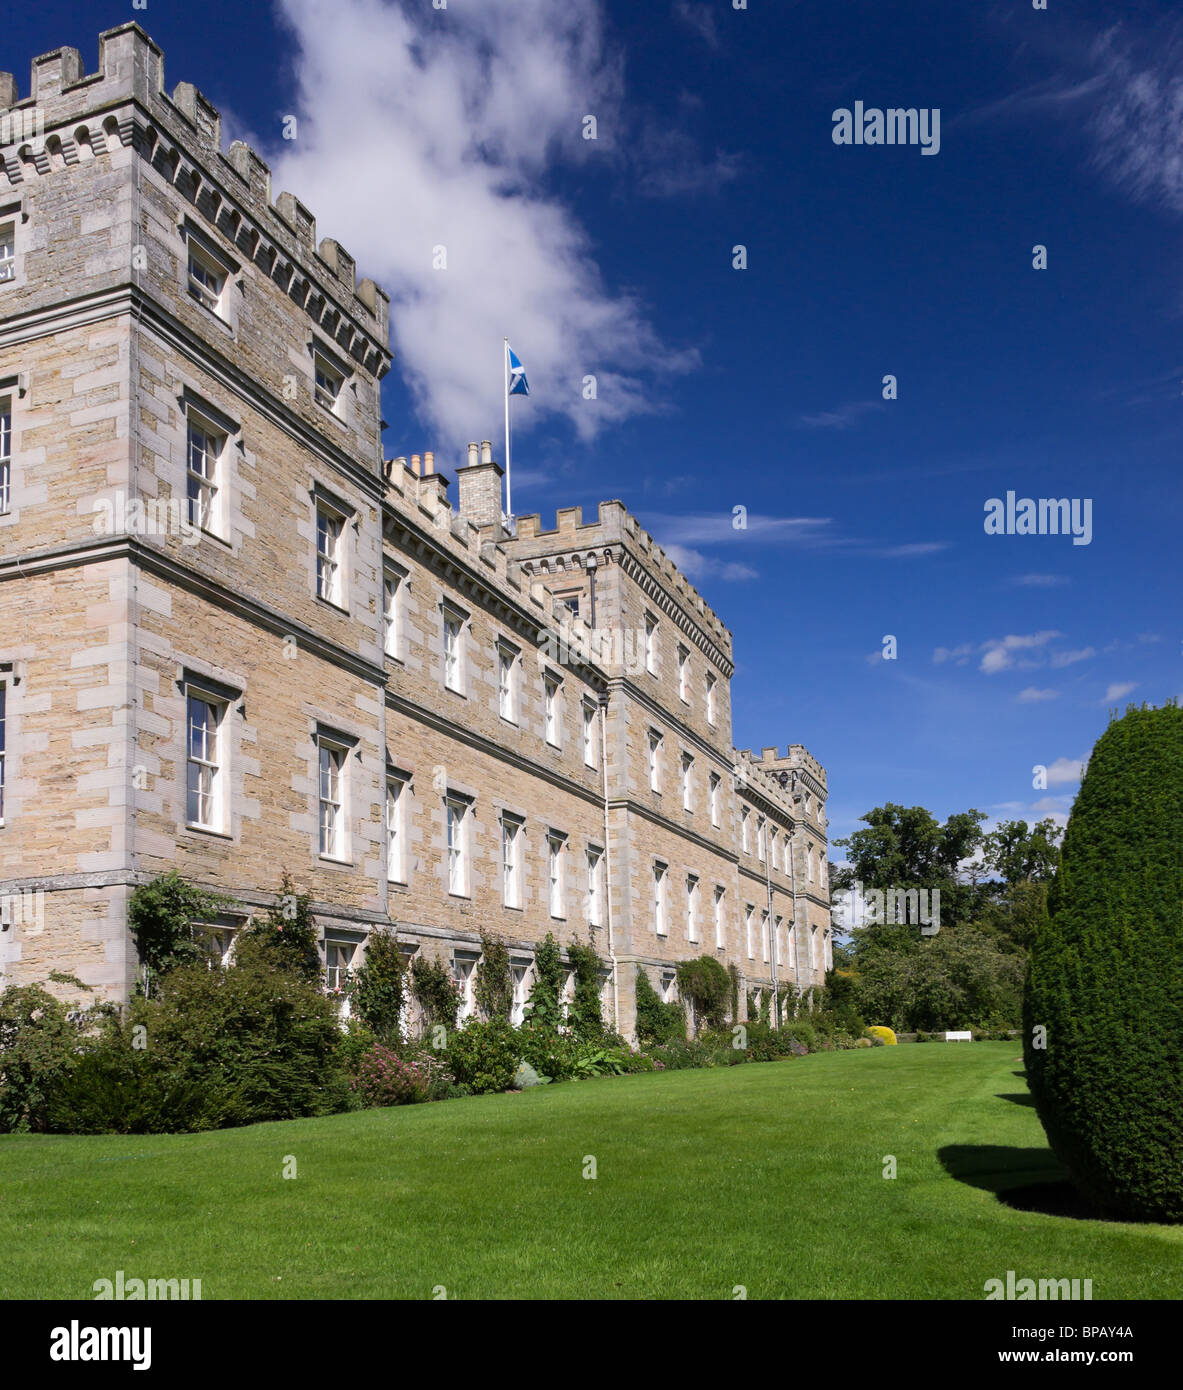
(959, 1037)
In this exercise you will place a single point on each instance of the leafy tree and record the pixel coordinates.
(705, 983)
(585, 1017)
(1023, 854)
(1103, 1013)
(39, 1046)
(436, 990)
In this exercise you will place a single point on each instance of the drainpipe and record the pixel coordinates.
(608, 855)
(771, 921)
(793, 880)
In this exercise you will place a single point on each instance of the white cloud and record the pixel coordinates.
(700, 18)
(1061, 659)
(416, 133)
(695, 565)
(1041, 581)
(1032, 696)
(999, 652)
(1118, 689)
(958, 655)
(1065, 771)
(841, 418)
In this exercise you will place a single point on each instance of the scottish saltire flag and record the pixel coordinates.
(518, 385)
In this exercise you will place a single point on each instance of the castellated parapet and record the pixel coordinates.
(75, 117)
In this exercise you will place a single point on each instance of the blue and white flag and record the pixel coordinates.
(518, 385)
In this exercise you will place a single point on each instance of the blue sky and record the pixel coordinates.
(762, 388)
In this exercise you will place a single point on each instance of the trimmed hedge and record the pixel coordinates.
(1105, 979)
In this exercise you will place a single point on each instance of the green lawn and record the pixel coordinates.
(767, 1176)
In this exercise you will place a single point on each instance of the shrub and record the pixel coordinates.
(707, 985)
(39, 1046)
(384, 1078)
(867, 1042)
(1104, 978)
(585, 1018)
(284, 938)
(377, 998)
(884, 1034)
(436, 990)
(657, 1021)
(493, 990)
(549, 1052)
(258, 1040)
(484, 1055)
(543, 1007)
(160, 917)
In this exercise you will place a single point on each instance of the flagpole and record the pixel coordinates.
(508, 483)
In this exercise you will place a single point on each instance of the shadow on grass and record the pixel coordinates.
(1031, 1180)
(1017, 1097)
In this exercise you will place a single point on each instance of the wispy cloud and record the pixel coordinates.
(1118, 690)
(696, 566)
(1041, 581)
(1032, 696)
(842, 417)
(754, 528)
(700, 17)
(1062, 659)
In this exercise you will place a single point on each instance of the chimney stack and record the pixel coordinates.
(480, 487)
(428, 463)
(415, 465)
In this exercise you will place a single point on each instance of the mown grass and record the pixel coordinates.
(767, 1176)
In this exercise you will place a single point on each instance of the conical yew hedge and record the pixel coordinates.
(1105, 981)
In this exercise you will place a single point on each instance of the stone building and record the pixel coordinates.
(235, 639)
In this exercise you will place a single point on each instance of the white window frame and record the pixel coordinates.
(589, 734)
(507, 681)
(684, 674)
(328, 382)
(393, 581)
(749, 911)
(397, 791)
(655, 743)
(745, 823)
(720, 925)
(809, 864)
(715, 782)
(651, 626)
(687, 784)
(452, 636)
(765, 927)
(205, 768)
(661, 926)
(5, 454)
(712, 681)
(595, 886)
(520, 972)
(761, 839)
(556, 875)
(457, 841)
(7, 252)
(207, 274)
(692, 908)
(552, 708)
(205, 454)
(330, 553)
(464, 969)
(332, 831)
(338, 963)
(511, 859)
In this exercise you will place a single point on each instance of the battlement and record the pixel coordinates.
(614, 524)
(182, 130)
(796, 758)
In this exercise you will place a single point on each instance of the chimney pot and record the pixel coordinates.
(486, 451)
(428, 463)
(415, 465)
(474, 452)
